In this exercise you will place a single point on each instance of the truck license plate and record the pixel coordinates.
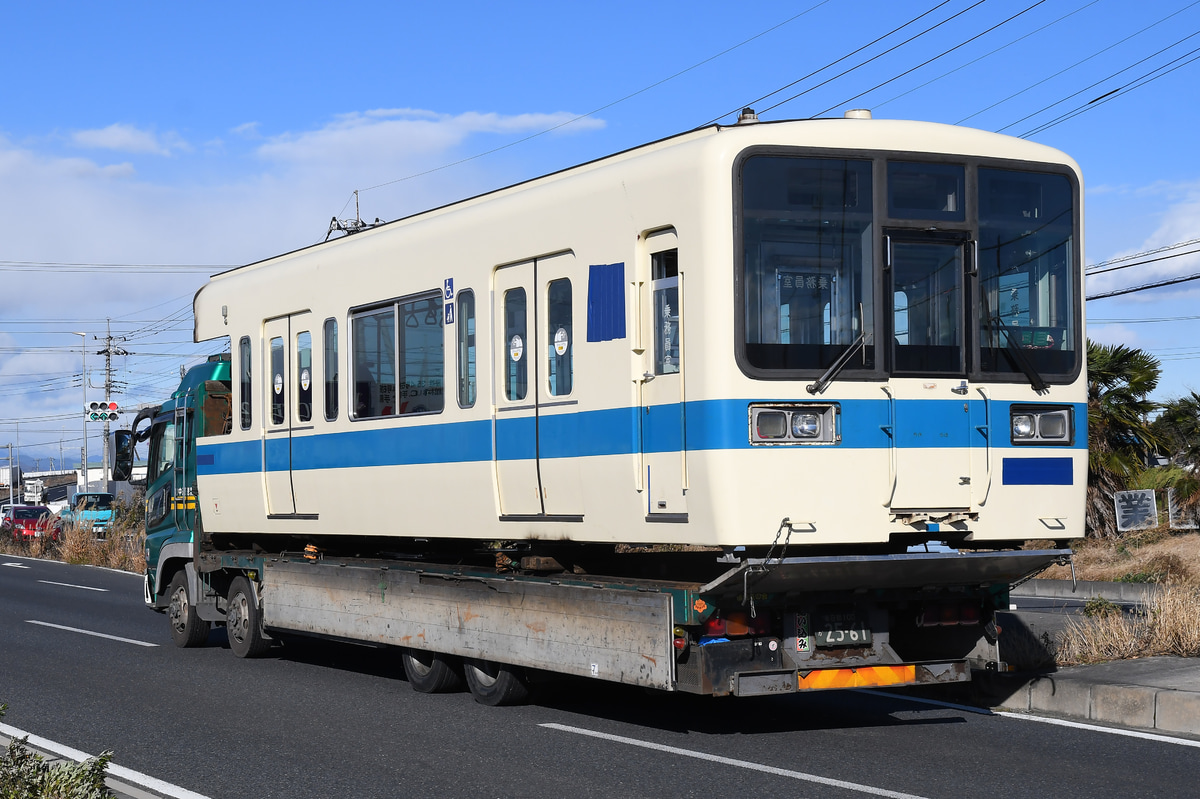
(841, 629)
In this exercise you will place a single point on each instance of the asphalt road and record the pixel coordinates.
(318, 719)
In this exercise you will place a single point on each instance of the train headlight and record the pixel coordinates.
(1043, 425)
(1022, 426)
(806, 425)
(794, 423)
(771, 424)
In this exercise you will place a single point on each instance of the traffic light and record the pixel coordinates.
(101, 411)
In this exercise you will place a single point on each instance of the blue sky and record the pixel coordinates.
(146, 145)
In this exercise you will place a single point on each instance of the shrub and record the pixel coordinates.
(26, 775)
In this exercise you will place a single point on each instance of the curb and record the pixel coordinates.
(119, 789)
(1164, 710)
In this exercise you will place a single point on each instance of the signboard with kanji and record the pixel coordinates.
(1135, 510)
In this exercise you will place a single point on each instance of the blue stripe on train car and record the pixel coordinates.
(704, 424)
(1038, 472)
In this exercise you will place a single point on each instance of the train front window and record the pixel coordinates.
(1026, 280)
(806, 278)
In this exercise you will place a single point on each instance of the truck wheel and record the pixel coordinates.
(187, 629)
(430, 672)
(495, 684)
(244, 621)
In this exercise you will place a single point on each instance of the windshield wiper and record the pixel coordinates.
(1018, 355)
(837, 366)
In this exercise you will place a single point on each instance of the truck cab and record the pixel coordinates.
(90, 509)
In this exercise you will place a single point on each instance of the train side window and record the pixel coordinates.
(374, 367)
(304, 376)
(245, 388)
(276, 387)
(664, 268)
(466, 349)
(331, 370)
(422, 356)
(516, 376)
(558, 300)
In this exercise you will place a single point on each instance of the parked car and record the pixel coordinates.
(24, 522)
(94, 508)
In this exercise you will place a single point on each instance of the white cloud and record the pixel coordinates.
(128, 139)
(58, 209)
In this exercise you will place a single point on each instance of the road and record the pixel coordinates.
(318, 719)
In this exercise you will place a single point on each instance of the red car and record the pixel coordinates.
(24, 522)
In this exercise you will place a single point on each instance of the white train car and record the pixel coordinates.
(849, 334)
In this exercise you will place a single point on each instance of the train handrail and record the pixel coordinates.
(890, 430)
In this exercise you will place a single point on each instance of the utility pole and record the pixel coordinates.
(108, 351)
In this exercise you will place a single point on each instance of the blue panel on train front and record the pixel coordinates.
(1038, 472)
(932, 423)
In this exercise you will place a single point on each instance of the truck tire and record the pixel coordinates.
(431, 672)
(495, 684)
(244, 621)
(187, 629)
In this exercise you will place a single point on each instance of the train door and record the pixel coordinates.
(287, 407)
(662, 407)
(536, 432)
(931, 420)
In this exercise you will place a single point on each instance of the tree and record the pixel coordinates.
(1120, 436)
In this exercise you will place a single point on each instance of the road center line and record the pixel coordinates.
(72, 585)
(89, 632)
(118, 772)
(726, 761)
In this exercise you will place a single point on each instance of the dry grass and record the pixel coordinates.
(122, 548)
(1168, 625)
(1152, 556)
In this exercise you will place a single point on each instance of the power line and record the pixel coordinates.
(885, 52)
(827, 66)
(931, 60)
(1146, 287)
(1077, 63)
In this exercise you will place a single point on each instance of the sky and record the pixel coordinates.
(145, 145)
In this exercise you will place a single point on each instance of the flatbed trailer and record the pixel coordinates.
(783, 626)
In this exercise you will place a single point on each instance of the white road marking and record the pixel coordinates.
(17, 565)
(119, 772)
(727, 761)
(89, 632)
(72, 585)
(1150, 736)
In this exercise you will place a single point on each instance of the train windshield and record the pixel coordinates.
(807, 237)
(1027, 285)
(958, 269)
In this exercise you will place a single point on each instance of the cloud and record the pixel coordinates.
(404, 134)
(226, 204)
(128, 139)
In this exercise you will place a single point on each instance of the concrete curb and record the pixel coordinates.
(120, 790)
(1064, 589)
(1165, 710)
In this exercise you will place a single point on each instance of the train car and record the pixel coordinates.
(831, 336)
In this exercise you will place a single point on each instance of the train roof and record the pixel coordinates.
(848, 133)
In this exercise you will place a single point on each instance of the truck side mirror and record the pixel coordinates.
(121, 447)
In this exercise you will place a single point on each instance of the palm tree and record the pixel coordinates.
(1120, 437)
